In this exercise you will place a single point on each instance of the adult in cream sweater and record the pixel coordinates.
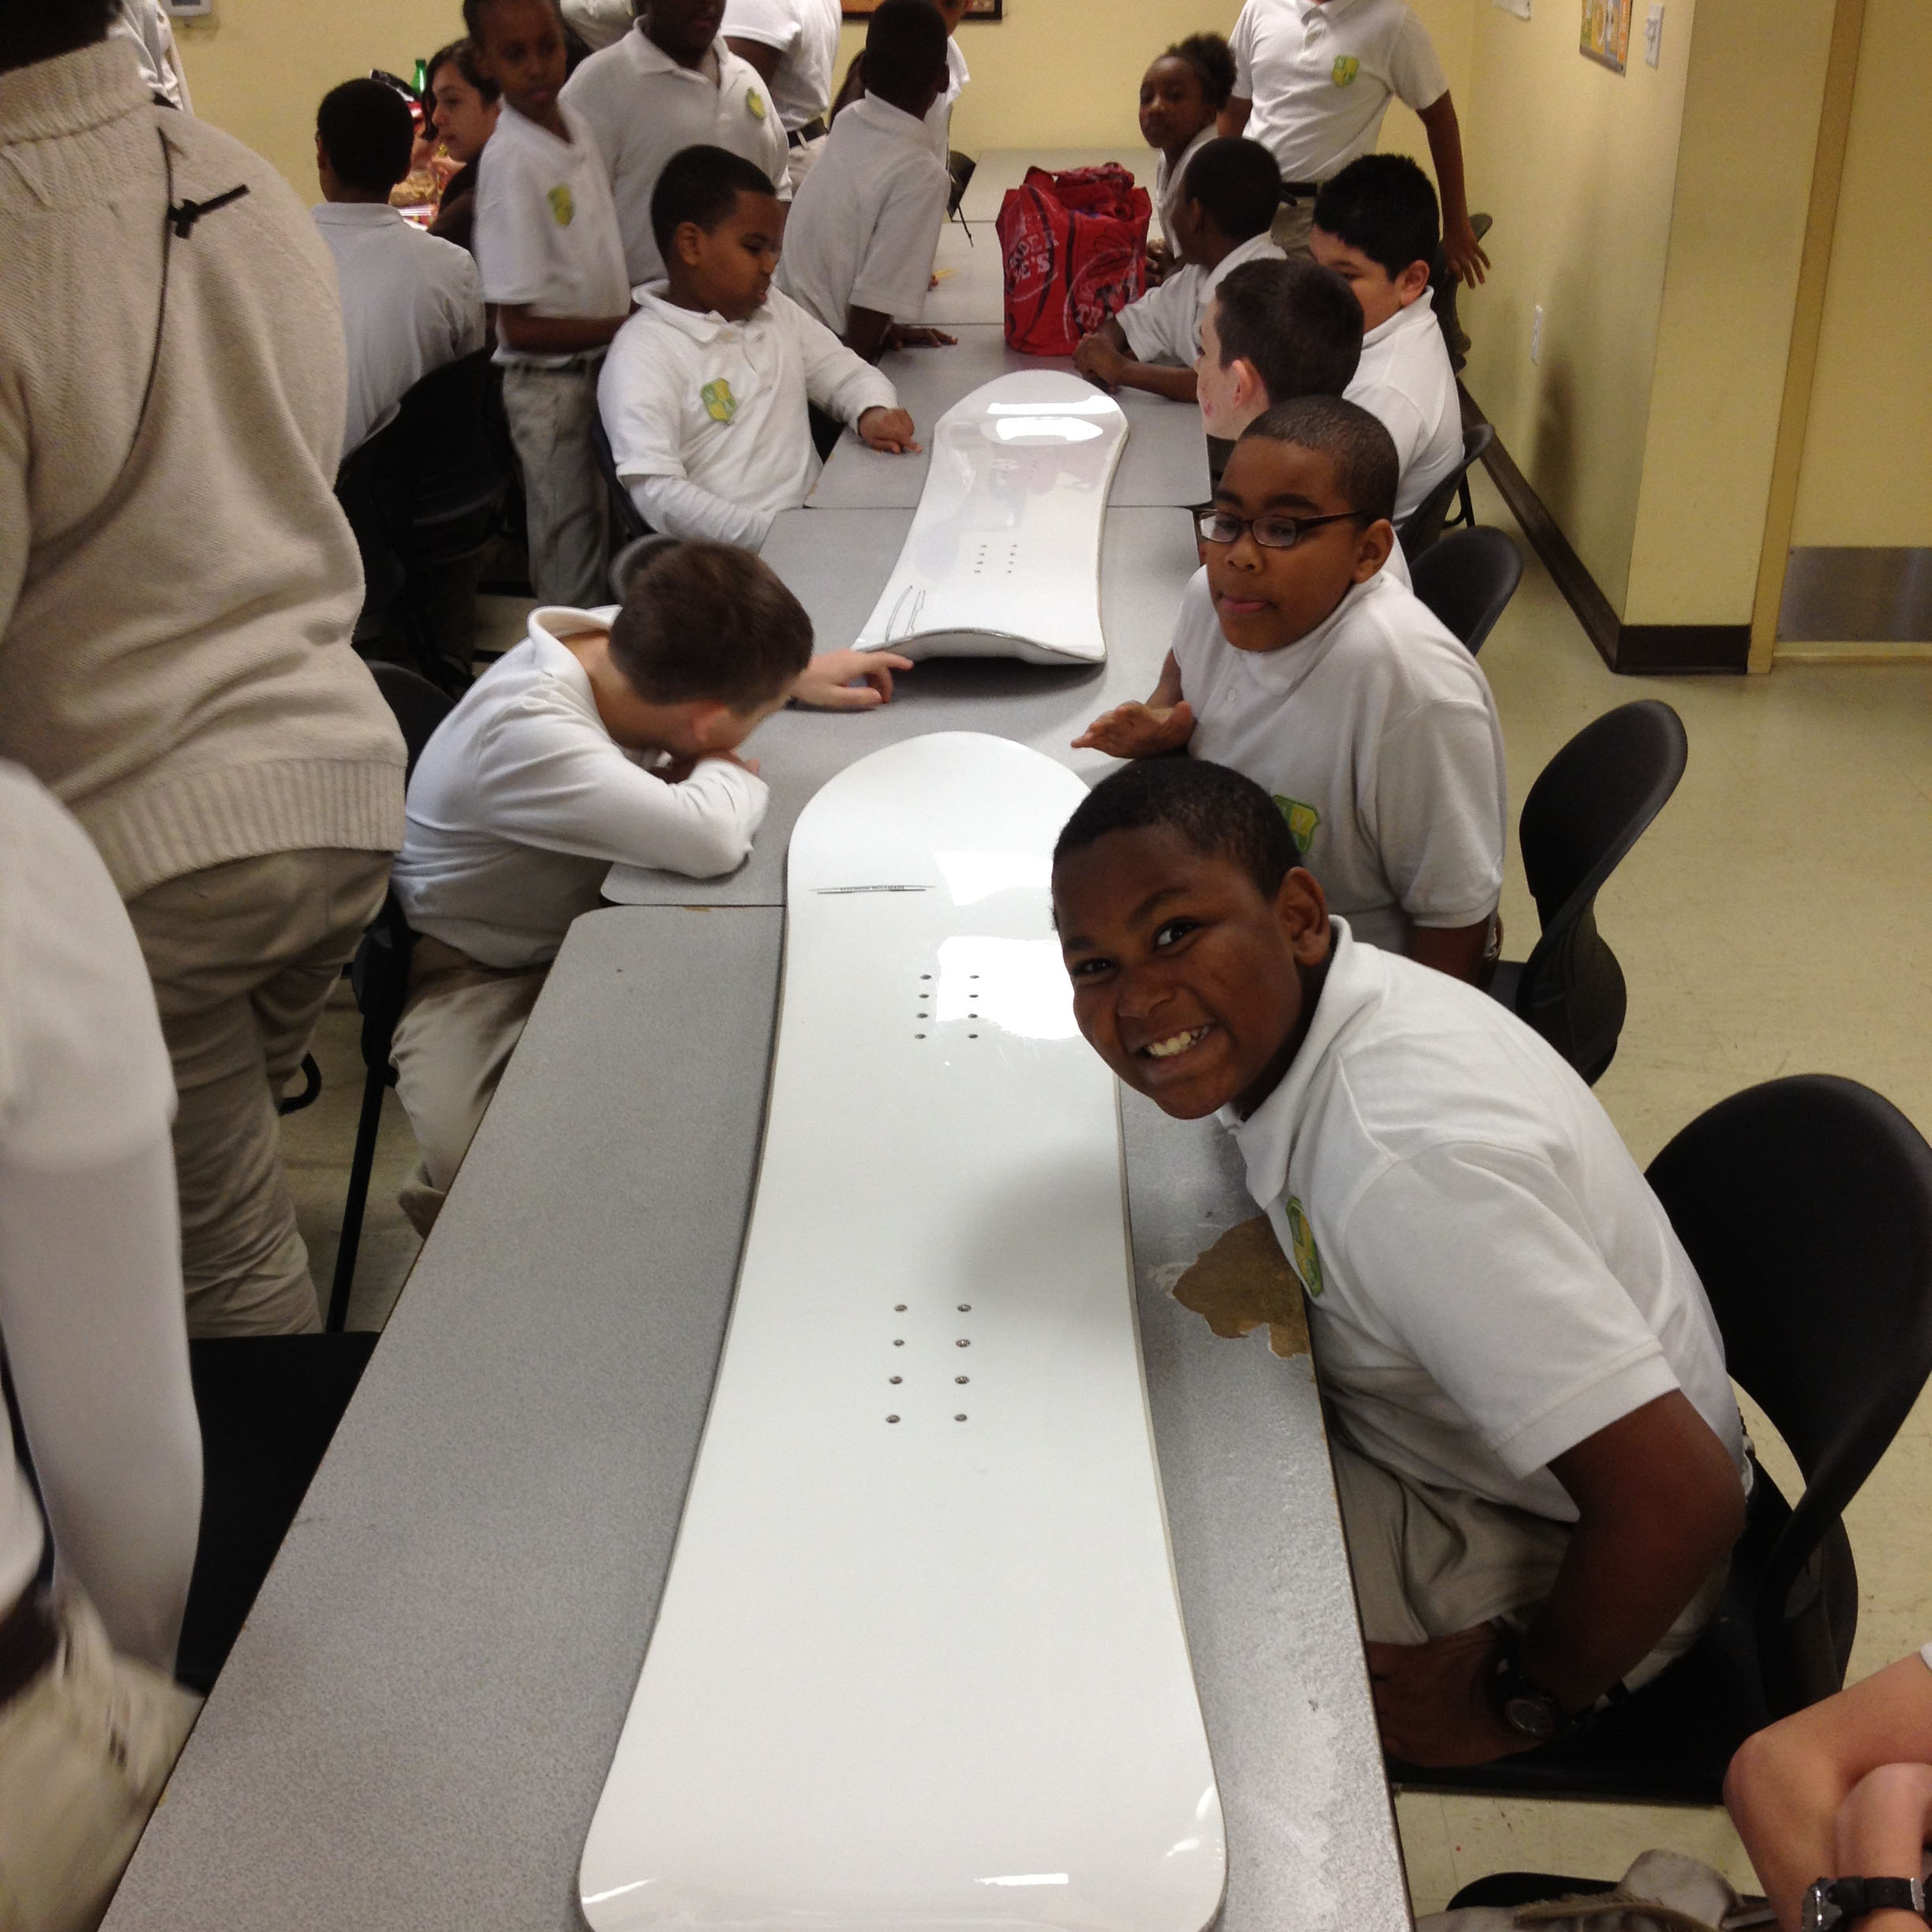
(177, 587)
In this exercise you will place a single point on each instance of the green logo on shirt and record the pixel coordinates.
(1307, 1257)
(563, 208)
(756, 101)
(1302, 819)
(1345, 69)
(720, 404)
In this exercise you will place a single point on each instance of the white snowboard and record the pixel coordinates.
(920, 1664)
(1003, 558)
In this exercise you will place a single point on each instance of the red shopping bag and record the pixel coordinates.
(1073, 252)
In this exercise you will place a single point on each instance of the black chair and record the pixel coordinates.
(425, 496)
(1805, 1204)
(1589, 807)
(625, 519)
(1428, 519)
(1467, 580)
(632, 558)
(380, 976)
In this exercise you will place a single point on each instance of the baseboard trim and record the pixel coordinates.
(1631, 651)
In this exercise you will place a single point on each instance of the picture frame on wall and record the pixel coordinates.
(977, 10)
(1606, 32)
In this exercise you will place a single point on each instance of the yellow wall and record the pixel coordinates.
(1866, 475)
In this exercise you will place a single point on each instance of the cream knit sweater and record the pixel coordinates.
(174, 655)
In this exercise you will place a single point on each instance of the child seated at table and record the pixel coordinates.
(864, 225)
(1182, 96)
(1376, 226)
(705, 396)
(1536, 1452)
(1227, 203)
(410, 303)
(1302, 663)
(606, 736)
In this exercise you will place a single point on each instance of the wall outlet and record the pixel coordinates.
(1653, 34)
(1536, 334)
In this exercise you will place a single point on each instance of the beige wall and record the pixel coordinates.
(1866, 474)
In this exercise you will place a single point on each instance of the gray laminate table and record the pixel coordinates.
(413, 1727)
(1164, 463)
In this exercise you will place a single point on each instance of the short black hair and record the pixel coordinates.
(1238, 184)
(1220, 813)
(1361, 452)
(709, 622)
(31, 31)
(474, 10)
(1298, 322)
(1383, 205)
(367, 133)
(701, 185)
(463, 55)
(905, 49)
(1208, 54)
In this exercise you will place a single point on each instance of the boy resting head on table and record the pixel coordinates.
(704, 394)
(1227, 200)
(606, 736)
(1301, 661)
(1539, 1460)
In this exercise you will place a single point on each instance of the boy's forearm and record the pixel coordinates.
(865, 332)
(1445, 139)
(535, 334)
(1161, 379)
(1166, 693)
(1233, 117)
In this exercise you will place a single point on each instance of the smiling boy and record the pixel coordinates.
(1298, 660)
(1538, 1457)
(703, 398)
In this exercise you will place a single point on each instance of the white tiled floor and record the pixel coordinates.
(1776, 918)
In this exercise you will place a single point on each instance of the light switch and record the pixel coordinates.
(1536, 334)
(1653, 33)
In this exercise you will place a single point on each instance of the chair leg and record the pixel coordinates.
(1465, 508)
(361, 1166)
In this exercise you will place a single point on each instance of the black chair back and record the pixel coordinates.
(1467, 579)
(1588, 807)
(1424, 524)
(1807, 1205)
(447, 456)
(419, 706)
(629, 525)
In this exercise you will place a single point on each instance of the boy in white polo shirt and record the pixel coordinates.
(705, 396)
(1376, 226)
(1312, 79)
(672, 82)
(410, 303)
(859, 241)
(1537, 1453)
(1304, 665)
(1227, 200)
(793, 44)
(552, 265)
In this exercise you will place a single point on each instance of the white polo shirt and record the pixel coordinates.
(643, 108)
(1377, 737)
(546, 233)
(805, 33)
(410, 303)
(1164, 325)
(598, 23)
(723, 404)
(1168, 180)
(1320, 73)
(939, 117)
(522, 801)
(1405, 379)
(1491, 1280)
(865, 226)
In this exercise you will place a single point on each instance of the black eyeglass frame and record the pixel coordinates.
(1248, 526)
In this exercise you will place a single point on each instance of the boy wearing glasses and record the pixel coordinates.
(1300, 662)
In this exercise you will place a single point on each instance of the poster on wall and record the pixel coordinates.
(1519, 7)
(975, 9)
(1606, 31)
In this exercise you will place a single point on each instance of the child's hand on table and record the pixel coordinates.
(848, 680)
(1100, 361)
(888, 429)
(909, 336)
(1137, 731)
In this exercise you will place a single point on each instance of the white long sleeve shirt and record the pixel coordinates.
(522, 801)
(91, 1305)
(719, 408)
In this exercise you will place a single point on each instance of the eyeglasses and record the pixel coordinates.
(1271, 532)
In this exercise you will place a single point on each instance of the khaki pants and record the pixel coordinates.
(84, 1750)
(457, 1031)
(1291, 226)
(1429, 1562)
(551, 412)
(242, 957)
